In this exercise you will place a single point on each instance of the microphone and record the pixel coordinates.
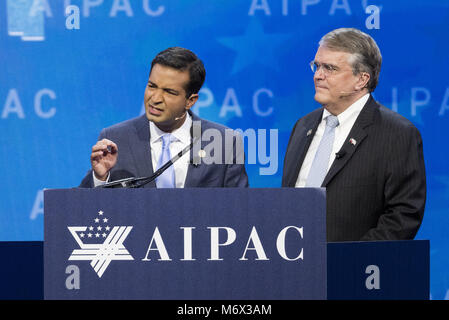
(134, 182)
(178, 118)
(348, 92)
(340, 154)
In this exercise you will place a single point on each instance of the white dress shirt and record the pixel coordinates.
(346, 121)
(182, 139)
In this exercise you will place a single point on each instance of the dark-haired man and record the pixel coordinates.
(138, 147)
(369, 158)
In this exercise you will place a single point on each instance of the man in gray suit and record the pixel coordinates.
(369, 158)
(138, 147)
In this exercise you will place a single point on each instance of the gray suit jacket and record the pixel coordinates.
(376, 189)
(134, 160)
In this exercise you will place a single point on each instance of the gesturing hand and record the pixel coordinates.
(103, 158)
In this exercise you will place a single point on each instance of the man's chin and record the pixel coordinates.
(153, 118)
(149, 116)
(320, 99)
(160, 122)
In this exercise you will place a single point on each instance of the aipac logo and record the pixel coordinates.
(100, 244)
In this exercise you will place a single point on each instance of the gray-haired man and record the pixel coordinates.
(369, 159)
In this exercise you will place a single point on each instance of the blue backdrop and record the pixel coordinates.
(59, 86)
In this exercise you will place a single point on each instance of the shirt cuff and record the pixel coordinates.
(98, 182)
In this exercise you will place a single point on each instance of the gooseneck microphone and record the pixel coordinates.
(134, 182)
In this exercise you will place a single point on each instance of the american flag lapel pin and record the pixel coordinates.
(309, 132)
(352, 141)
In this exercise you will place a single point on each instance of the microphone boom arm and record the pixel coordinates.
(134, 182)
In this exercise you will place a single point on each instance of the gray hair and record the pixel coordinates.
(365, 54)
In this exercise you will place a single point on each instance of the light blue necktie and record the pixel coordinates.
(321, 161)
(167, 178)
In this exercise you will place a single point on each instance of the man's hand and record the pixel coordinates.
(103, 158)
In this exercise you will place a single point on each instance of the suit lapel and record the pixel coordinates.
(300, 144)
(139, 142)
(353, 140)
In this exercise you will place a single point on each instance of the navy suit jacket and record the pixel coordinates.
(134, 158)
(376, 189)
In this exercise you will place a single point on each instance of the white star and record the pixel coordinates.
(91, 228)
(89, 235)
(105, 220)
(96, 220)
(107, 228)
(100, 213)
(82, 235)
(104, 235)
(99, 228)
(97, 235)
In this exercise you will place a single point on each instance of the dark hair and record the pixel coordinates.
(183, 59)
(366, 55)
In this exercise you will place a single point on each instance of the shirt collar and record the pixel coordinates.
(181, 134)
(354, 108)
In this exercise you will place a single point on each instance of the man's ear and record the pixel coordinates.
(363, 81)
(191, 101)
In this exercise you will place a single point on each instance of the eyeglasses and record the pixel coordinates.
(327, 69)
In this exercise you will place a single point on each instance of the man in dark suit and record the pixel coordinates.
(138, 147)
(369, 158)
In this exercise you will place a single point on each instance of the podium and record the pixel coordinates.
(207, 244)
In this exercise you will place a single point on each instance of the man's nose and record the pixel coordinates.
(319, 74)
(156, 96)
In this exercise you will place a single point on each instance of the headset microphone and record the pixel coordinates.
(178, 118)
(350, 92)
